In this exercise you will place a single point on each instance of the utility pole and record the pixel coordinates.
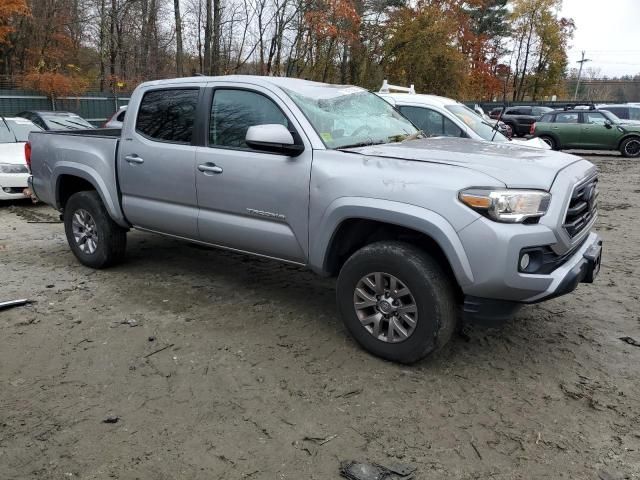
(581, 62)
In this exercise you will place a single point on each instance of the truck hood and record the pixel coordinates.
(12, 153)
(514, 165)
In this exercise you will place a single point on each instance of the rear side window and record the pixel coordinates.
(634, 113)
(568, 118)
(168, 115)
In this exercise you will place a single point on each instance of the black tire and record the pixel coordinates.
(630, 147)
(111, 238)
(430, 287)
(549, 141)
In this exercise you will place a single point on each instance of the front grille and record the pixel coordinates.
(582, 207)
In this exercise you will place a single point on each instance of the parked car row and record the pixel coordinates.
(441, 116)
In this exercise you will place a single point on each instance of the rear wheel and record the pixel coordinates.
(630, 148)
(396, 301)
(95, 239)
(549, 141)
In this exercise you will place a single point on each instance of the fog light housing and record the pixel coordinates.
(7, 189)
(525, 259)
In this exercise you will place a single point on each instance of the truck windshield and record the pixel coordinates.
(346, 116)
(477, 124)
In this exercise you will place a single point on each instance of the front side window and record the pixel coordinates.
(431, 122)
(346, 116)
(567, 118)
(477, 124)
(234, 111)
(168, 115)
(595, 117)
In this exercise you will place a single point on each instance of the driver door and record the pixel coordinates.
(251, 200)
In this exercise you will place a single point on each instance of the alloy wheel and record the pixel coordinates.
(385, 307)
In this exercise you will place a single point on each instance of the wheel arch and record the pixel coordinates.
(553, 136)
(355, 222)
(70, 179)
(626, 137)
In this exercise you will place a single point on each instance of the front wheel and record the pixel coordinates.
(396, 301)
(95, 239)
(630, 148)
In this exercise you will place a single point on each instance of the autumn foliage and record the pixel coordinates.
(466, 49)
(10, 10)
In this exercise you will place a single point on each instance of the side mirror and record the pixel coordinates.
(274, 138)
(608, 124)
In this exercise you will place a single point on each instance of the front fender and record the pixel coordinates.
(395, 213)
(108, 194)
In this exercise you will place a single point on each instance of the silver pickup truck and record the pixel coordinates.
(422, 233)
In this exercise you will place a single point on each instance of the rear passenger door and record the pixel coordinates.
(156, 166)
(251, 200)
(567, 129)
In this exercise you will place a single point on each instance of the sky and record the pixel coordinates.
(609, 32)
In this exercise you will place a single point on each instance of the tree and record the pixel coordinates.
(421, 49)
(10, 11)
(539, 58)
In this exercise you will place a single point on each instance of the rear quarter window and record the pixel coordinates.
(168, 115)
(548, 118)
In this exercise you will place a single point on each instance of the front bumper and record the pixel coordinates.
(16, 182)
(582, 267)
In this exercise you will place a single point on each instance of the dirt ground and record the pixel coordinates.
(220, 366)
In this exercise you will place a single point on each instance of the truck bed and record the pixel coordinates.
(88, 154)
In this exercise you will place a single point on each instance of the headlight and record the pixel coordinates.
(13, 168)
(509, 206)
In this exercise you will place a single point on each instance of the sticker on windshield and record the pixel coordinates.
(326, 136)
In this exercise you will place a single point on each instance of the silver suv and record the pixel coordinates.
(419, 231)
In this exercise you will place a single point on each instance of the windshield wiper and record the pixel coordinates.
(67, 127)
(415, 136)
(81, 124)
(361, 144)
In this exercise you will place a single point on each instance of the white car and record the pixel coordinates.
(441, 116)
(116, 119)
(14, 132)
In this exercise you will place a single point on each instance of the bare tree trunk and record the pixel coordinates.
(101, 43)
(176, 11)
(207, 38)
(113, 49)
(215, 53)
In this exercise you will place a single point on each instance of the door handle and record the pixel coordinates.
(209, 168)
(134, 159)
